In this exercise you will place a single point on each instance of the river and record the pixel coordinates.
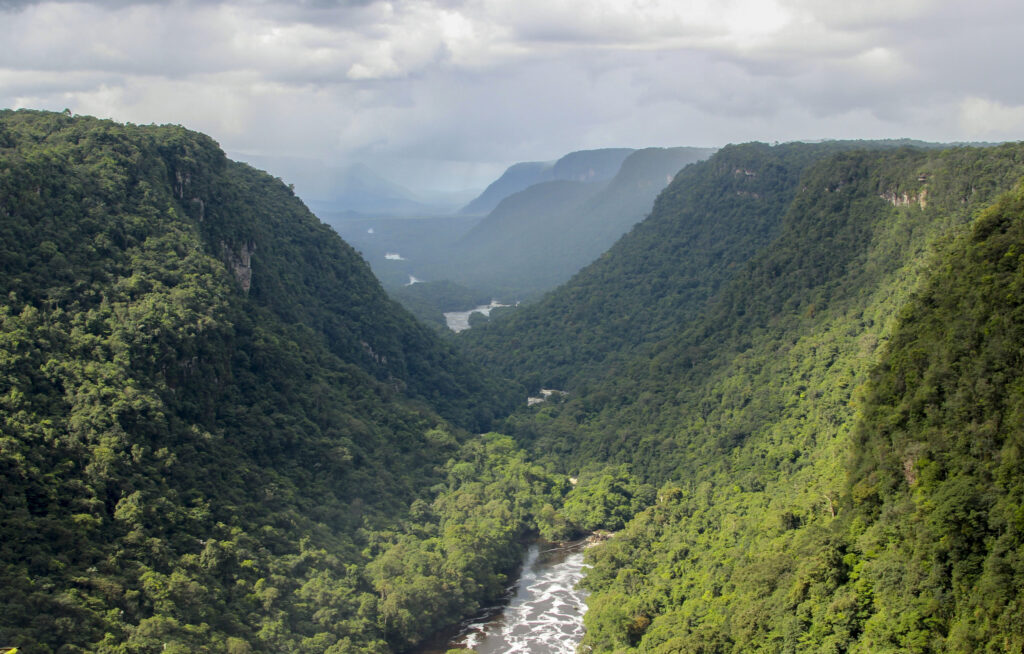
(544, 614)
(458, 321)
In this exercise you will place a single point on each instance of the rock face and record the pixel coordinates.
(240, 262)
(905, 199)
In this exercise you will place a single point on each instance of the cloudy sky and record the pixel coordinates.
(447, 93)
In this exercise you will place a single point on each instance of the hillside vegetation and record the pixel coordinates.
(704, 227)
(218, 434)
(825, 398)
(796, 391)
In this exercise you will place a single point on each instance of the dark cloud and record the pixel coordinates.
(472, 85)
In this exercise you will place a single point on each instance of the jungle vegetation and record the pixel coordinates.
(795, 390)
(218, 433)
(813, 351)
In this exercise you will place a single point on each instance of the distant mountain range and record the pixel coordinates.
(581, 166)
(545, 222)
(537, 238)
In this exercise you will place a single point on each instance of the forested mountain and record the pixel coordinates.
(710, 220)
(582, 166)
(218, 434)
(537, 238)
(795, 390)
(533, 239)
(785, 308)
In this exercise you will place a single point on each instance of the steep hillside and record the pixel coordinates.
(936, 484)
(707, 223)
(218, 432)
(504, 251)
(517, 177)
(744, 397)
(536, 239)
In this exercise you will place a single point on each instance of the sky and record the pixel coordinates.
(445, 94)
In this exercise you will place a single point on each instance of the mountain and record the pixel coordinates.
(582, 166)
(710, 220)
(517, 177)
(533, 240)
(810, 349)
(539, 237)
(794, 390)
(219, 434)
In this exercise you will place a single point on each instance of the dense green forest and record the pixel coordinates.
(813, 351)
(796, 391)
(218, 433)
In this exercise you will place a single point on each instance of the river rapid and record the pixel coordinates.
(544, 614)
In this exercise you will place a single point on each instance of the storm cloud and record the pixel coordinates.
(446, 93)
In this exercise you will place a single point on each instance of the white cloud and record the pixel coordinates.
(466, 85)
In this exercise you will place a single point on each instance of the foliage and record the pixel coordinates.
(738, 388)
(218, 434)
(213, 419)
(936, 483)
(710, 220)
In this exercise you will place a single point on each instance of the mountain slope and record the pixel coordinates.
(742, 391)
(711, 219)
(216, 426)
(537, 238)
(583, 166)
(937, 462)
(516, 178)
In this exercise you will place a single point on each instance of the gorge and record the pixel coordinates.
(794, 390)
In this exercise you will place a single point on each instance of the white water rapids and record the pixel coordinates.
(545, 613)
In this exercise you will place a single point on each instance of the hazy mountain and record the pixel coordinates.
(539, 237)
(515, 179)
(360, 190)
(582, 166)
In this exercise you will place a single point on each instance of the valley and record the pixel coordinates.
(528, 232)
(789, 380)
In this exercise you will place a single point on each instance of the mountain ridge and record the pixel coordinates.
(580, 166)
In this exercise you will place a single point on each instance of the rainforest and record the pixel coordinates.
(794, 391)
